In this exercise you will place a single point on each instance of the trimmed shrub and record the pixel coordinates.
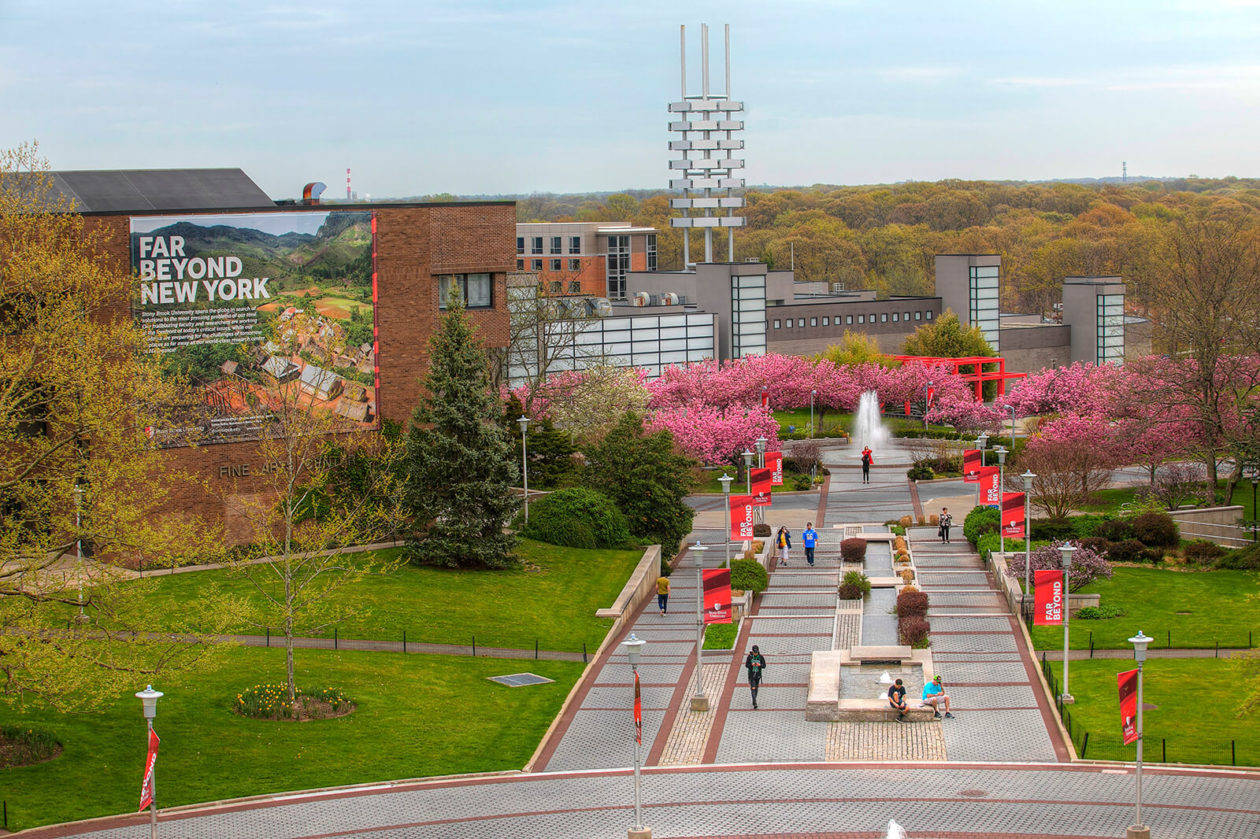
(1115, 530)
(1202, 552)
(853, 550)
(802, 483)
(1087, 525)
(1247, 559)
(897, 530)
(979, 521)
(906, 575)
(913, 630)
(748, 575)
(905, 521)
(920, 472)
(854, 586)
(1098, 613)
(1155, 530)
(1096, 544)
(1053, 529)
(761, 529)
(1127, 550)
(912, 602)
(577, 518)
(899, 543)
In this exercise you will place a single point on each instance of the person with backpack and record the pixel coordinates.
(809, 538)
(783, 541)
(755, 663)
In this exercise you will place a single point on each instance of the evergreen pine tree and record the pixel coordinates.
(459, 462)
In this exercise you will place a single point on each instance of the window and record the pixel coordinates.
(777, 324)
(520, 265)
(651, 251)
(748, 315)
(555, 287)
(575, 265)
(520, 244)
(918, 316)
(618, 265)
(928, 314)
(575, 244)
(555, 264)
(555, 244)
(848, 319)
(575, 287)
(813, 321)
(474, 289)
(826, 321)
(536, 245)
(537, 264)
(883, 317)
(907, 316)
(861, 318)
(872, 317)
(895, 317)
(800, 322)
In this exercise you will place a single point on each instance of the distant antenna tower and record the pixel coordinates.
(706, 172)
(348, 193)
(1124, 171)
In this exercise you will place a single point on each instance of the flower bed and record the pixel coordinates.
(271, 702)
(26, 746)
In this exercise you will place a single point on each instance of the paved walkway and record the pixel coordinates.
(975, 801)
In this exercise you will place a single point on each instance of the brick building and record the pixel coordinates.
(588, 258)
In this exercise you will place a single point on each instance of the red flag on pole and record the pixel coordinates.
(971, 465)
(146, 786)
(989, 486)
(761, 482)
(1048, 597)
(765, 398)
(774, 461)
(638, 710)
(1013, 515)
(717, 596)
(741, 516)
(1127, 682)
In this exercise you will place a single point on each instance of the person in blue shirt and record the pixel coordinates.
(935, 697)
(809, 537)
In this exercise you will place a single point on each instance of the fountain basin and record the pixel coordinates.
(844, 685)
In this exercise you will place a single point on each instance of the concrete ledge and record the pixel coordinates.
(875, 710)
(889, 653)
(822, 702)
(641, 584)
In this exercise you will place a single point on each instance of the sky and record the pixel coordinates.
(528, 96)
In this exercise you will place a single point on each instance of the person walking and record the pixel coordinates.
(946, 521)
(809, 538)
(783, 541)
(897, 699)
(662, 593)
(867, 460)
(755, 663)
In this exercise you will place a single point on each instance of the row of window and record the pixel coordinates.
(897, 317)
(557, 243)
(553, 264)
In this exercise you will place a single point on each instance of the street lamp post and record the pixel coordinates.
(812, 394)
(1065, 560)
(634, 646)
(748, 456)
(148, 703)
(1001, 453)
(1028, 477)
(927, 396)
(524, 421)
(699, 702)
(725, 481)
(1139, 830)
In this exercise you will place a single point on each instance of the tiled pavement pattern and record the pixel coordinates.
(884, 741)
(685, 743)
(927, 799)
(974, 648)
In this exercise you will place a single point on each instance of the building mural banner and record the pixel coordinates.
(250, 305)
(1048, 597)
(741, 516)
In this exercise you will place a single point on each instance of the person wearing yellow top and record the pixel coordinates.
(662, 593)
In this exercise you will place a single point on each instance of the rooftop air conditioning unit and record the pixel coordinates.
(640, 298)
(669, 298)
(575, 307)
(600, 307)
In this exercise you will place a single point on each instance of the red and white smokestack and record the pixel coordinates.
(347, 183)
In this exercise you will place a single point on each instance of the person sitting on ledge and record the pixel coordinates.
(934, 697)
(897, 699)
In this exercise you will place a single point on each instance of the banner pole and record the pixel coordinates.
(1138, 820)
(153, 803)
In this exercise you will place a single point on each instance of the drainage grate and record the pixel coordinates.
(517, 680)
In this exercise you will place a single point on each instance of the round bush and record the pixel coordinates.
(913, 630)
(1127, 550)
(1244, 560)
(577, 518)
(1052, 529)
(853, 550)
(1155, 530)
(1202, 552)
(761, 529)
(854, 586)
(749, 575)
(979, 521)
(1115, 530)
(912, 603)
(920, 472)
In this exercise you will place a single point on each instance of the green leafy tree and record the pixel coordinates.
(857, 348)
(459, 464)
(647, 479)
(550, 452)
(946, 337)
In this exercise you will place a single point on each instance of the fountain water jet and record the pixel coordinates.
(868, 426)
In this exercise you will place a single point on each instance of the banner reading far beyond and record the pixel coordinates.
(741, 516)
(989, 486)
(1013, 515)
(1048, 597)
(762, 480)
(774, 462)
(1127, 682)
(717, 596)
(971, 465)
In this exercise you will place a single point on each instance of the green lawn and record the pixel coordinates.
(720, 636)
(1110, 500)
(1194, 715)
(830, 425)
(417, 716)
(553, 602)
(1214, 603)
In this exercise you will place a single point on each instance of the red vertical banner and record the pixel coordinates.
(1013, 515)
(971, 465)
(989, 488)
(741, 516)
(638, 710)
(1127, 683)
(717, 596)
(774, 462)
(762, 480)
(146, 786)
(1048, 597)
(765, 398)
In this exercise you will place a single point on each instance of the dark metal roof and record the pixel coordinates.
(131, 190)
